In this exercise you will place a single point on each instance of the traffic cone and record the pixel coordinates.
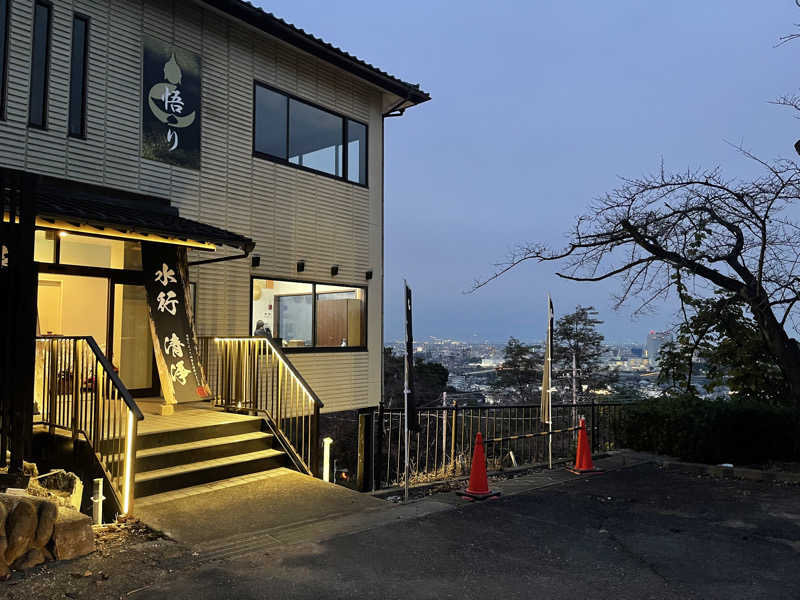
(478, 488)
(583, 457)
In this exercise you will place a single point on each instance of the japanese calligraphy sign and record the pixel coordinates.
(170, 104)
(173, 332)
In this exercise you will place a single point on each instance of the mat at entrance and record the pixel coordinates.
(234, 507)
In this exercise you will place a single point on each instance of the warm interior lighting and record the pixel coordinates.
(126, 502)
(62, 234)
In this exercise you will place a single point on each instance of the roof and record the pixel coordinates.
(126, 211)
(276, 27)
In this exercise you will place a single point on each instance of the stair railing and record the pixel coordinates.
(253, 374)
(78, 390)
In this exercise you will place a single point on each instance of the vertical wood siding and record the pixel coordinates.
(290, 214)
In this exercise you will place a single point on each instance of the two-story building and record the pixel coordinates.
(201, 170)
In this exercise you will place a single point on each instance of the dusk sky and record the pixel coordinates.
(538, 107)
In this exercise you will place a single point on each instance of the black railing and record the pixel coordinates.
(252, 374)
(513, 435)
(77, 390)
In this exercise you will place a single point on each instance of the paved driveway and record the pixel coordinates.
(639, 532)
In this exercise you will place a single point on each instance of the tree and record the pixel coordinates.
(521, 371)
(576, 335)
(722, 337)
(695, 229)
(430, 380)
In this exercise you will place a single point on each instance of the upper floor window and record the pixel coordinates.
(40, 57)
(77, 76)
(295, 132)
(4, 4)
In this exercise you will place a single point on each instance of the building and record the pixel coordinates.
(655, 340)
(201, 172)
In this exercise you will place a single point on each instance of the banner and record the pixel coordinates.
(177, 356)
(170, 104)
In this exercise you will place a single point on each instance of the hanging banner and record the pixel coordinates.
(172, 325)
(170, 104)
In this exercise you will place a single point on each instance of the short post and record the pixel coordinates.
(326, 459)
(364, 469)
(97, 502)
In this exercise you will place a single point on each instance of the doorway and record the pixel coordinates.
(114, 313)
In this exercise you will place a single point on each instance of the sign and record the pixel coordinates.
(170, 104)
(173, 333)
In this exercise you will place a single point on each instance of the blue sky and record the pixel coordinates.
(538, 107)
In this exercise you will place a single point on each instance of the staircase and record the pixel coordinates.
(179, 458)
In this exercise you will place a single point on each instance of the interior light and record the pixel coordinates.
(62, 234)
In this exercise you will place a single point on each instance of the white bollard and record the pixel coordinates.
(326, 459)
(97, 502)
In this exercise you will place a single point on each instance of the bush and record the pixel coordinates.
(713, 431)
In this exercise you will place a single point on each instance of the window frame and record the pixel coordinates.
(4, 75)
(47, 53)
(314, 348)
(85, 88)
(285, 161)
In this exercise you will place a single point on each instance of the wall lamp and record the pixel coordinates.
(301, 266)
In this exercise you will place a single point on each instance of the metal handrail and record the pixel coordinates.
(81, 393)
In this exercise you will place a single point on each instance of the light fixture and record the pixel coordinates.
(368, 275)
(255, 261)
(334, 270)
(301, 266)
(62, 234)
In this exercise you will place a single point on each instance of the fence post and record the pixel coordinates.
(75, 391)
(364, 469)
(595, 428)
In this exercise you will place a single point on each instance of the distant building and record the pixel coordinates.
(655, 340)
(636, 351)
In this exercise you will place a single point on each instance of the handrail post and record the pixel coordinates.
(315, 442)
(130, 463)
(75, 392)
(52, 388)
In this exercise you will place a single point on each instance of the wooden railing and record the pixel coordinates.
(77, 390)
(252, 374)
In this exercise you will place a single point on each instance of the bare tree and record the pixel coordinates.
(696, 228)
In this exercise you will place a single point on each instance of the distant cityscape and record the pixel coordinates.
(472, 365)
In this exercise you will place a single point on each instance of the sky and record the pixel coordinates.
(539, 107)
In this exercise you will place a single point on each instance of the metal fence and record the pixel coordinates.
(513, 435)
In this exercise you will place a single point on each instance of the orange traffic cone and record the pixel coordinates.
(478, 488)
(583, 457)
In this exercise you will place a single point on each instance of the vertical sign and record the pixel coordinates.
(170, 104)
(173, 332)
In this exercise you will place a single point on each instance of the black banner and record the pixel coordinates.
(175, 342)
(170, 104)
(411, 406)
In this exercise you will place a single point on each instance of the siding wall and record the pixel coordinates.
(290, 214)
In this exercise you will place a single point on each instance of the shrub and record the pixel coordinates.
(713, 431)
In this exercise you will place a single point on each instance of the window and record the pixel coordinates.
(309, 315)
(356, 152)
(77, 79)
(294, 132)
(40, 56)
(3, 54)
(67, 248)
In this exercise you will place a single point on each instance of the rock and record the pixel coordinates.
(72, 535)
(32, 557)
(5, 572)
(30, 469)
(3, 538)
(66, 486)
(48, 513)
(20, 529)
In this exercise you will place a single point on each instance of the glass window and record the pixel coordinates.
(270, 122)
(3, 53)
(37, 107)
(315, 138)
(44, 246)
(283, 308)
(340, 316)
(286, 309)
(77, 81)
(90, 251)
(356, 152)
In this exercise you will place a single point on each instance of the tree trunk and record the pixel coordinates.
(785, 349)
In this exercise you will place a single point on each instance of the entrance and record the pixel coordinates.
(113, 313)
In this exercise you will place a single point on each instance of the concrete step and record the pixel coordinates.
(185, 475)
(157, 439)
(161, 457)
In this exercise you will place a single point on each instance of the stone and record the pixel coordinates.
(3, 538)
(5, 572)
(32, 557)
(20, 529)
(48, 513)
(72, 535)
(66, 486)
